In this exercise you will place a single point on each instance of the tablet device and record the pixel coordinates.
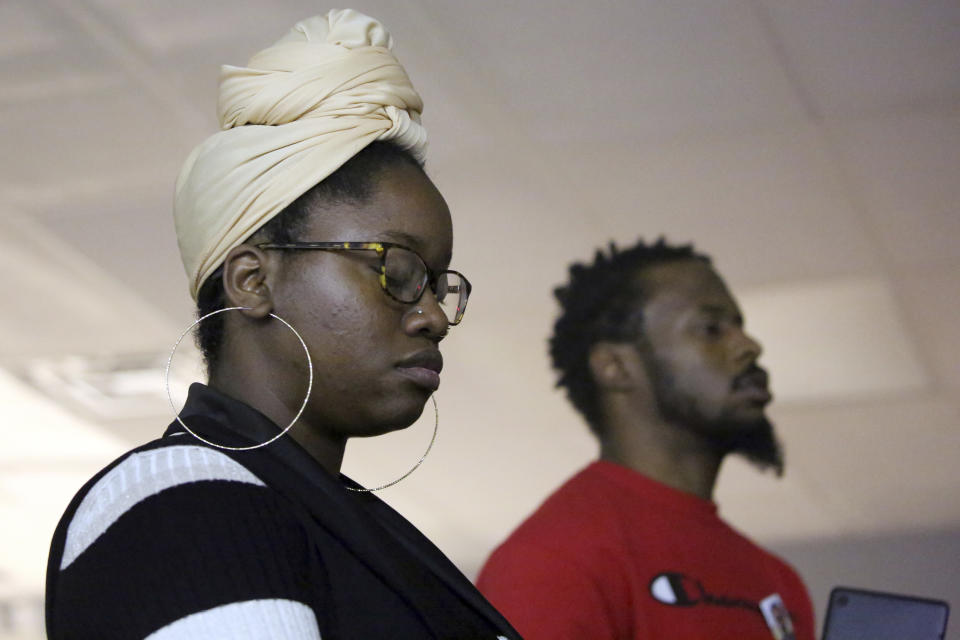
(858, 614)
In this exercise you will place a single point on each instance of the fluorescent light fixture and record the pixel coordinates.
(115, 387)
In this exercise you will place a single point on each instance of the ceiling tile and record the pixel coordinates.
(107, 138)
(27, 29)
(767, 206)
(128, 233)
(906, 168)
(613, 70)
(930, 299)
(66, 304)
(43, 59)
(164, 28)
(865, 56)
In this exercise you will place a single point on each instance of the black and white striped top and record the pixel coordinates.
(179, 540)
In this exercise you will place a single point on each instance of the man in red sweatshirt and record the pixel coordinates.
(651, 349)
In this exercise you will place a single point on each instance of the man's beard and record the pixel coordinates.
(755, 440)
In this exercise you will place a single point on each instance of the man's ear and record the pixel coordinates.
(616, 366)
(246, 278)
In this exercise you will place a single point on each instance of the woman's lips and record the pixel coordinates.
(426, 378)
(423, 368)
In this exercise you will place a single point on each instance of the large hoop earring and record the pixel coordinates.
(295, 418)
(436, 424)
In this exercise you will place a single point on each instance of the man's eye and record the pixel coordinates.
(713, 330)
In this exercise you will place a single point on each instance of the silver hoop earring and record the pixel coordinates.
(436, 424)
(254, 446)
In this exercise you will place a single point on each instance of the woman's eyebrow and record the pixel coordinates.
(411, 242)
(401, 237)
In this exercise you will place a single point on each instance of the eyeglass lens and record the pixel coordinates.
(406, 276)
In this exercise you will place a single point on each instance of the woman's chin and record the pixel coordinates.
(398, 420)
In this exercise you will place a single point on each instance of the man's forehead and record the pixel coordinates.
(685, 284)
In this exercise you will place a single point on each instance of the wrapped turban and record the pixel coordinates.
(297, 112)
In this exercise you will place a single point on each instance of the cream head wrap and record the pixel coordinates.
(297, 112)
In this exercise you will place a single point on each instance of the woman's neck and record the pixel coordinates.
(326, 450)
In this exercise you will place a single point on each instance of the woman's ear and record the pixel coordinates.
(616, 366)
(246, 277)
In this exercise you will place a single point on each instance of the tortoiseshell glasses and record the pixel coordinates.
(404, 276)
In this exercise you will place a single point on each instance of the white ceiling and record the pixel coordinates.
(812, 147)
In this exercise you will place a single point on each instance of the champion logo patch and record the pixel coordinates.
(679, 590)
(676, 589)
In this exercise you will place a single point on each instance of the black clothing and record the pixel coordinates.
(180, 539)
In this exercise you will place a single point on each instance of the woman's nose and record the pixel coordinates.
(426, 317)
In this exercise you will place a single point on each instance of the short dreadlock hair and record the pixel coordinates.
(603, 301)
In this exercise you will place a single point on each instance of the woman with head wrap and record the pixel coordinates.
(318, 252)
